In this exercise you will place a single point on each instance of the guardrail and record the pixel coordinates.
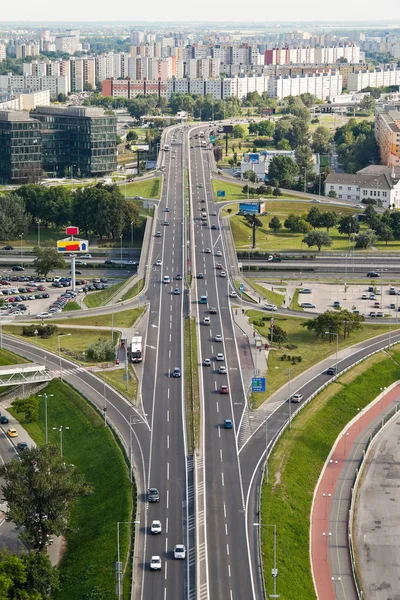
(296, 412)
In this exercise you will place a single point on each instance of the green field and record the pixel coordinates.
(134, 291)
(295, 465)
(311, 349)
(95, 299)
(9, 358)
(294, 304)
(71, 306)
(87, 569)
(147, 188)
(233, 191)
(124, 318)
(273, 297)
(74, 342)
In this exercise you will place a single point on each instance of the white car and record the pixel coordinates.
(206, 321)
(207, 362)
(86, 256)
(220, 356)
(207, 251)
(270, 307)
(44, 315)
(218, 253)
(166, 279)
(180, 551)
(308, 305)
(222, 370)
(155, 563)
(233, 294)
(223, 274)
(297, 398)
(156, 527)
(218, 338)
(158, 263)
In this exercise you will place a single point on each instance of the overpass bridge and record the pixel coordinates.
(24, 374)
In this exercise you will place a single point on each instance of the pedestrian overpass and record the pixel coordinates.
(24, 374)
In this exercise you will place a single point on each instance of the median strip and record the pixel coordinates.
(192, 385)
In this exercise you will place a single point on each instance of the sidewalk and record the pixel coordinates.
(330, 557)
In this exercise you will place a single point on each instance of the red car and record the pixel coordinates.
(41, 288)
(219, 266)
(224, 389)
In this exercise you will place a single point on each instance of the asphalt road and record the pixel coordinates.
(8, 531)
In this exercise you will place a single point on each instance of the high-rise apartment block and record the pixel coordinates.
(68, 43)
(2, 51)
(310, 55)
(387, 133)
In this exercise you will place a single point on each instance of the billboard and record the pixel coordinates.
(72, 230)
(227, 128)
(72, 246)
(249, 208)
(140, 148)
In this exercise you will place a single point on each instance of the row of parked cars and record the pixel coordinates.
(58, 304)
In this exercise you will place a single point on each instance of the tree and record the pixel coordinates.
(277, 192)
(40, 490)
(278, 334)
(296, 224)
(304, 159)
(348, 226)
(367, 104)
(366, 238)
(328, 220)
(386, 234)
(321, 139)
(371, 217)
(265, 128)
(131, 136)
(275, 224)
(29, 407)
(13, 219)
(238, 131)
(284, 169)
(283, 144)
(268, 190)
(314, 217)
(332, 194)
(317, 238)
(299, 135)
(328, 321)
(101, 350)
(62, 98)
(356, 145)
(250, 175)
(27, 576)
(47, 259)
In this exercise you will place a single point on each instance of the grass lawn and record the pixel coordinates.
(71, 306)
(294, 304)
(95, 299)
(47, 234)
(233, 191)
(88, 566)
(134, 291)
(72, 346)
(147, 188)
(243, 294)
(295, 465)
(307, 345)
(9, 358)
(115, 378)
(271, 296)
(125, 318)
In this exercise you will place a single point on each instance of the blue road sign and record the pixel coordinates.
(258, 384)
(241, 287)
(221, 193)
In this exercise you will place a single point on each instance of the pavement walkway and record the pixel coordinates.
(330, 557)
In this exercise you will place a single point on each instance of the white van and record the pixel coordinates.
(166, 279)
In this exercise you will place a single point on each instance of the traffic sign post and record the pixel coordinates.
(258, 384)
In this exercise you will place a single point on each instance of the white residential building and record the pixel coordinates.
(378, 78)
(14, 84)
(378, 182)
(321, 85)
(2, 52)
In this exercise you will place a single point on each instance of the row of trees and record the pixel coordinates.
(341, 322)
(356, 145)
(99, 210)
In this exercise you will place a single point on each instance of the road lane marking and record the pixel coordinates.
(168, 471)
(220, 454)
(227, 549)
(168, 411)
(168, 441)
(224, 510)
(166, 525)
(169, 354)
(167, 499)
(217, 405)
(222, 479)
(166, 570)
(215, 385)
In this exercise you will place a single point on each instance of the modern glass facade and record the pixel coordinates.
(20, 148)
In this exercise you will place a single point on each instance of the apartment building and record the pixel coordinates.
(387, 134)
(14, 84)
(68, 43)
(380, 182)
(311, 55)
(321, 85)
(82, 74)
(27, 49)
(378, 78)
(2, 51)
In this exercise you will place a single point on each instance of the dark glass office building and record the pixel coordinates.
(20, 147)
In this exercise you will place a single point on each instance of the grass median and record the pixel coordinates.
(294, 303)
(123, 318)
(192, 385)
(147, 188)
(295, 465)
(9, 358)
(134, 291)
(87, 569)
(95, 299)
(300, 343)
(116, 378)
(271, 296)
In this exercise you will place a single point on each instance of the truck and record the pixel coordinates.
(136, 349)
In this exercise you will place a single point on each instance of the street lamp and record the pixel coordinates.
(290, 400)
(59, 351)
(45, 396)
(38, 231)
(274, 570)
(132, 235)
(120, 237)
(337, 348)
(333, 463)
(345, 435)
(119, 566)
(326, 496)
(327, 535)
(21, 235)
(60, 429)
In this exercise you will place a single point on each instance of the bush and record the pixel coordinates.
(42, 331)
(101, 350)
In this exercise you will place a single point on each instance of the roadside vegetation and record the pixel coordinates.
(116, 378)
(134, 291)
(192, 385)
(100, 298)
(271, 296)
(296, 462)
(123, 318)
(146, 188)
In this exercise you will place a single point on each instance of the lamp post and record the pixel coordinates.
(334, 581)
(333, 463)
(132, 235)
(60, 429)
(120, 237)
(59, 351)
(337, 348)
(266, 450)
(38, 231)
(345, 435)
(327, 535)
(119, 566)
(21, 235)
(45, 396)
(326, 496)
(290, 399)
(274, 570)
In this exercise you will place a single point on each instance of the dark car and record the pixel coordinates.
(103, 279)
(153, 495)
(176, 372)
(228, 424)
(372, 274)
(213, 227)
(213, 311)
(8, 247)
(178, 277)
(3, 420)
(17, 268)
(21, 446)
(331, 371)
(77, 272)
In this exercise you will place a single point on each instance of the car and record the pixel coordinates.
(166, 209)
(331, 371)
(178, 277)
(364, 297)
(219, 266)
(176, 372)
(40, 288)
(305, 291)
(155, 563)
(103, 279)
(213, 311)
(179, 552)
(153, 495)
(166, 223)
(213, 213)
(158, 263)
(8, 247)
(158, 234)
(166, 279)
(11, 432)
(372, 274)
(222, 370)
(3, 420)
(233, 294)
(372, 296)
(218, 338)
(207, 251)
(207, 362)
(177, 291)
(218, 253)
(392, 306)
(307, 305)
(200, 276)
(270, 307)
(316, 201)
(156, 527)
(81, 263)
(336, 304)
(377, 304)
(372, 314)
(360, 206)
(21, 446)
(223, 274)
(379, 314)
(206, 321)
(43, 315)
(86, 256)
(17, 268)
(296, 398)
(220, 356)
(138, 197)
(377, 292)
(224, 389)
(213, 227)
(228, 424)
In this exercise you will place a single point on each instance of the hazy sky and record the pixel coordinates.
(201, 10)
